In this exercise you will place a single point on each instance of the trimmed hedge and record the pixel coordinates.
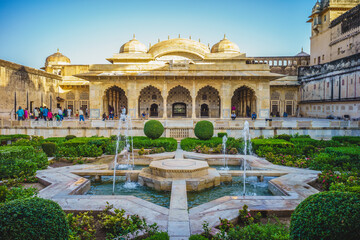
(189, 144)
(49, 148)
(353, 152)
(18, 161)
(169, 144)
(222, 134)
(197, 237)
(32, 218)
(153, 129)
(347, 139)
(327, 215)
(69, 137)
(57, 140)
(204, 130)
(13, 137)
(280, 143)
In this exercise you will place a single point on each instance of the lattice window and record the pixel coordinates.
(70, 96)
(84, 96)
(275, 96)
(179, 133)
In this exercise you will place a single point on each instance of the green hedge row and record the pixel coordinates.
(189, 144)
(13, 137)
(279, 143)
(347, 139)
(169, 144)
(20, 161)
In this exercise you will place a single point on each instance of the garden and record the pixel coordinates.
(331, 214)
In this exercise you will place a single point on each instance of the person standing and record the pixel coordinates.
(104, 116)
(69, 113)
(81, 115)
(50, 115)
(60, 114)
(26, 114)
(36, 114)
(20, 114)
(45, 113)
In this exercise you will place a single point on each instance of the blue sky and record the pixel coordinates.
(88, 31)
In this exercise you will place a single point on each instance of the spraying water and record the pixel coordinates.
(224, 140)
(247, 149)
(129, 160)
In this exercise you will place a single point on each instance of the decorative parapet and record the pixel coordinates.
(312, 71)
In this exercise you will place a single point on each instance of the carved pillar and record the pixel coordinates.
(193, 115)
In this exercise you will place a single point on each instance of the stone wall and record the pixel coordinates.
(318, 129)
(26, 87)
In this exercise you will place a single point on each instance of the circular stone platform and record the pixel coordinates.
(197, 174)
(179, 168)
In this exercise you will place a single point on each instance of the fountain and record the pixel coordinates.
(226, 167)
(247, 149)
(126, 152)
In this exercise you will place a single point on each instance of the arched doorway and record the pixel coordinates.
(179, 110)
(114, 99)
(154, 110)
(179, 102)
(244, 102)
(209, 97)
(204, 112)
(149, 98)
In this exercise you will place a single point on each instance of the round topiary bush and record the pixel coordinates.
(32, 218)
(49, 148)
(222, 134)
(153, 129)
(204, 130)
(327, 215)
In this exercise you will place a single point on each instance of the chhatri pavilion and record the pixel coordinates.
(175, 78)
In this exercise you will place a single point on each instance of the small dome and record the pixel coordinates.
(57, 59)
(225, 46)
(133, 46)
(302, 54)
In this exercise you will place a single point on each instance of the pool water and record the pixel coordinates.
(143, 192)
(162, 198)
(236, 188)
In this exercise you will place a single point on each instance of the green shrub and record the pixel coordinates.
(32, 218)
(69, 137)
(83, 150)
(304, 141)
(16, 192)
(257, 231)
(57, 140)
(169, 144)
(159, 236)
(285, 137)
(49, 148)
(222, 134)
(327, 215)
(198, 237)
(153, 129)
(190, 144)
(278, 143)
(13, 137)
(82, 226)
(347, 139)
(204, 130)
(20, 161)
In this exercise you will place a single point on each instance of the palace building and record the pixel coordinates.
(180, 78)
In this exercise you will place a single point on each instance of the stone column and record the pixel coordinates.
(133, 100)
(164, 95)
(226, 95)
(193, 115)
(95, 100)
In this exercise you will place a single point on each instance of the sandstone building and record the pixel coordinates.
(331, 87)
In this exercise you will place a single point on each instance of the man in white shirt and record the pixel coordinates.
(69, 113)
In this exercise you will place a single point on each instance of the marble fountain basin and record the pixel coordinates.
(198, 175)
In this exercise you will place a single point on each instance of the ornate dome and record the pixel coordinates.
(133, 46)
(225, 46)
(179, 46)
(302, 54)
(57, 59)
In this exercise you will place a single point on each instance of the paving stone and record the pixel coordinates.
(179, 229)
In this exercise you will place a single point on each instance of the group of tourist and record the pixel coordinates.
(113, 116)
(47, 114)
(233, 113)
